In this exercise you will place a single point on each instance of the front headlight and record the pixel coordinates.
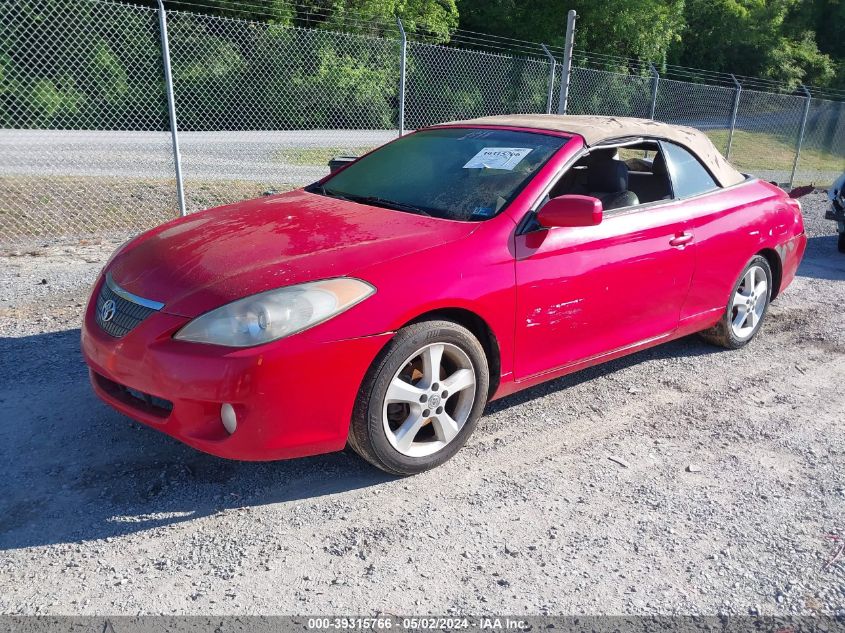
(274, 314)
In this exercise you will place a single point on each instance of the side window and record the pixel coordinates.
(689, 177)
(620, 177)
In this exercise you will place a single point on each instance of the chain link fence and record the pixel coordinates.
(83, 147)
(446, 84)
(697, 105)
(822, 158)
(263, 107)
(85, 143)
(612, 94)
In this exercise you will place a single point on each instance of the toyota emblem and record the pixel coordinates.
(107, 311)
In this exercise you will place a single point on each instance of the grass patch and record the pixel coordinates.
(762, 151)
(315, 156)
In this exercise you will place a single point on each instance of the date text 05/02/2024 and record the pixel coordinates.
(418, 623)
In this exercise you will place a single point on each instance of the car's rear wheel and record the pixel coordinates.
(841, 243)
(746, 307)
(421, 399)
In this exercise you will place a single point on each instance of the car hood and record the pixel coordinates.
(200, 262)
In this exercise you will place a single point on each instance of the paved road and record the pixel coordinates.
(211, 156)
(251, 156)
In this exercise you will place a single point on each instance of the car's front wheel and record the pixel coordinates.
(746, 307)
(841, 243)
(421, 399)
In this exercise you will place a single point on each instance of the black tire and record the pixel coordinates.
(367, 435)
(722, 333)
(841, 243)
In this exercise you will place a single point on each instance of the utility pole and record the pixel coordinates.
(566, 68)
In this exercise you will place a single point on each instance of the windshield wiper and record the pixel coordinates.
(375, 201)
(390, 204)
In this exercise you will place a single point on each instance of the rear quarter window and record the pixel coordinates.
(689, 176)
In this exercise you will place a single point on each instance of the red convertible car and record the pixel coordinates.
(385, 305)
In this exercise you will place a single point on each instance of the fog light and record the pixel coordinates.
(228, 417)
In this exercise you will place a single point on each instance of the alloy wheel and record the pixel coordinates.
(429, 400)
(749, 302)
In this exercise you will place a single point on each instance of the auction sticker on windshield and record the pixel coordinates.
(498, 158)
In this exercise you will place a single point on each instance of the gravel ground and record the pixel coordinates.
(725, 492)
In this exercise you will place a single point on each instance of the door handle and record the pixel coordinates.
(681, 239)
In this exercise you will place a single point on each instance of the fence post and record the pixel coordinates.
(655, 84)
(171, 106)
(801, 134)
(551, 78)
(737, 94)
(566, 67)
(403, 62)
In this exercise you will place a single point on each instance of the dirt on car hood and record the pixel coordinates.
(208, 259)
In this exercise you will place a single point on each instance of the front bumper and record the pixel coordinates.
(292, 398)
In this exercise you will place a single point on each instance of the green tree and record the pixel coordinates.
(769, 38)
(797, 60)
(79, 66)
(824, 18)
(437, 18)
(645, 29)
(789, 41)
(274, 11)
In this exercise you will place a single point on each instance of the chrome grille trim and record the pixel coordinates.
(127, 312)
(125, 294)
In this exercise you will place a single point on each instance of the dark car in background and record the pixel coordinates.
(836, 195)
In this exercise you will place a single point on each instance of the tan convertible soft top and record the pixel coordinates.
(596, 130)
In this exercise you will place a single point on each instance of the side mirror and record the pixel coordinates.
(340, 161)
(570, 210)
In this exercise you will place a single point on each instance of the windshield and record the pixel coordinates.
(457, 174)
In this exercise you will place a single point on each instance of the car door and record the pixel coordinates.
(724, 223)
(586, 291)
